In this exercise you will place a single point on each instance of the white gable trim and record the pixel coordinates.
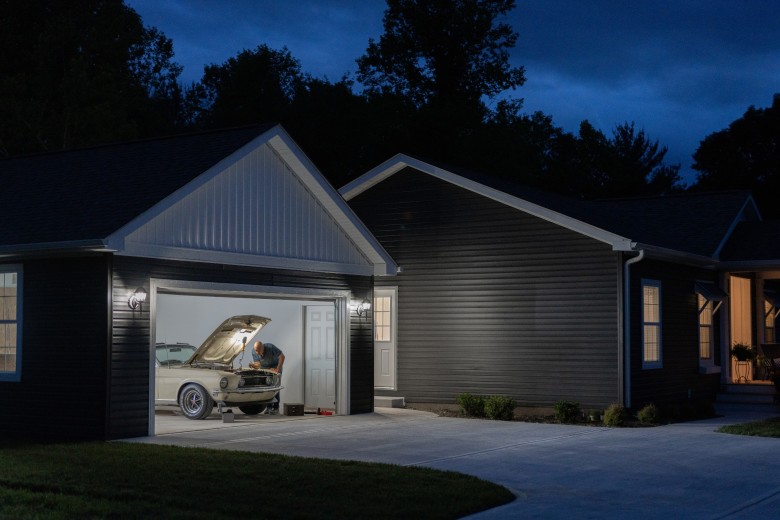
(401, 161)
(288, 152)
(742, 214)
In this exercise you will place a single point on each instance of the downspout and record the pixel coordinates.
(627, 325)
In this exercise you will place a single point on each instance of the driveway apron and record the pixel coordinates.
(684, 470)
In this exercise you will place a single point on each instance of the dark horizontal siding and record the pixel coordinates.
(130, 352)
(678, 380)
(62, 392)
(493, 301)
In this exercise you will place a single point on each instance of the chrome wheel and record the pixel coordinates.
(195, 403)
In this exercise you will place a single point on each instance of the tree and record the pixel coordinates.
(254, 86)
(79, 73)
(627, 164)
(746, 155)
(445, 57)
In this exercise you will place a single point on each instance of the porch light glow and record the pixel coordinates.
(364, 307)
(137, 298)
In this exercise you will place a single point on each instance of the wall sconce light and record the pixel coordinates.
(137, 298)
(364, 307)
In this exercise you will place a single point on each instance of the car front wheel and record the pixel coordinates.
(195, 403)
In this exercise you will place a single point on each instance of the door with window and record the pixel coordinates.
(385, 309)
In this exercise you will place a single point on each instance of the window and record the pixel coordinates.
(769, 322)
(651, 324)
(705, 328)
(382, 318)
(10, 318)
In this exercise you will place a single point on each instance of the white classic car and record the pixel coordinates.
(195, 379)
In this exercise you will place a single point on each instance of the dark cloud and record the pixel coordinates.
(679, 69)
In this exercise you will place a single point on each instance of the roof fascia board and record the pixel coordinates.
(663, 253)
(90, 245)
(750, 265)
(749, 203)
(332, 201)
(400, 161)
(248, 260)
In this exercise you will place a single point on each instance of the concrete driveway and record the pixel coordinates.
(679, 471)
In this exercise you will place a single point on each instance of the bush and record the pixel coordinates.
(500, 407)
(473, 405)
(567, 411)
(615, 415)
(649, 414)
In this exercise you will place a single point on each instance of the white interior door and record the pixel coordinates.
(320, 363)
(385, 305)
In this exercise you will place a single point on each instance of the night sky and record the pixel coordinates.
(679, 69)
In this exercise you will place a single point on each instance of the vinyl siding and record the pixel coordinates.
(62, 392)
(493, 301)
(129, 387)
(678, 381)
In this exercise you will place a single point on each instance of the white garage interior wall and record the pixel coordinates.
(191, 319)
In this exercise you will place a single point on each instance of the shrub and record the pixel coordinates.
(649, 414)
(500, 407)
(567, 411)
(615, 415)
(473, 405)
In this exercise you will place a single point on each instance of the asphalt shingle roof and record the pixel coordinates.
(694, 223)
(89, 193)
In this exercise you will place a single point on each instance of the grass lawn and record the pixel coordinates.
(765, 428)
(122, 480)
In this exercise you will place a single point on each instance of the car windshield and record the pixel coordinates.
(174, 354)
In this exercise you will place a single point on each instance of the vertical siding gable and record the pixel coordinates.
(257, 206)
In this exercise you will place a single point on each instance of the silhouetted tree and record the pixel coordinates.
(79, 73)
(746, 155)
(627, 164)
(445, 57)
(254, 86)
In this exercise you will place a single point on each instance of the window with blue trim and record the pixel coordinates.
(10, 323)
(651, 324)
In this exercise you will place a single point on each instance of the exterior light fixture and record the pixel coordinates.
(364, 307)
(137, 298)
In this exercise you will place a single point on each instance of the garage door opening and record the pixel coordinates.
(304, 327)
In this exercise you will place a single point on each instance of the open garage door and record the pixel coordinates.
(304, 329)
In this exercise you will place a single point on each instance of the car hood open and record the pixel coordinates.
(229, 340)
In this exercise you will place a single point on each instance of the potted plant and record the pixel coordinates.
(743, 352)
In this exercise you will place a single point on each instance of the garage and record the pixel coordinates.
(162, 240)
(302, 326)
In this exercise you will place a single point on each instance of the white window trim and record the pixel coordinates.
(659, 362)
(16, 376)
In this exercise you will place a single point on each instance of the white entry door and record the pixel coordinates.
(384, 337)
(320, 363)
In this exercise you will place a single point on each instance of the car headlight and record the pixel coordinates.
(223, 383)
(241, 382)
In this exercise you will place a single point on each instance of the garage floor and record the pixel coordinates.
(173, 421)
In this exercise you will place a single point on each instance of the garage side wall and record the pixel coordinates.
(62, 392)
(492, 300)
(130, 352)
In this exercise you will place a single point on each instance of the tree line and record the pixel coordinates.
(437, 84)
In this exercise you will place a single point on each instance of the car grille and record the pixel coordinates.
(258, 379)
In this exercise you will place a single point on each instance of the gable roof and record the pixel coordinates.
(692, 226)
(753, 245)
(94, 198)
